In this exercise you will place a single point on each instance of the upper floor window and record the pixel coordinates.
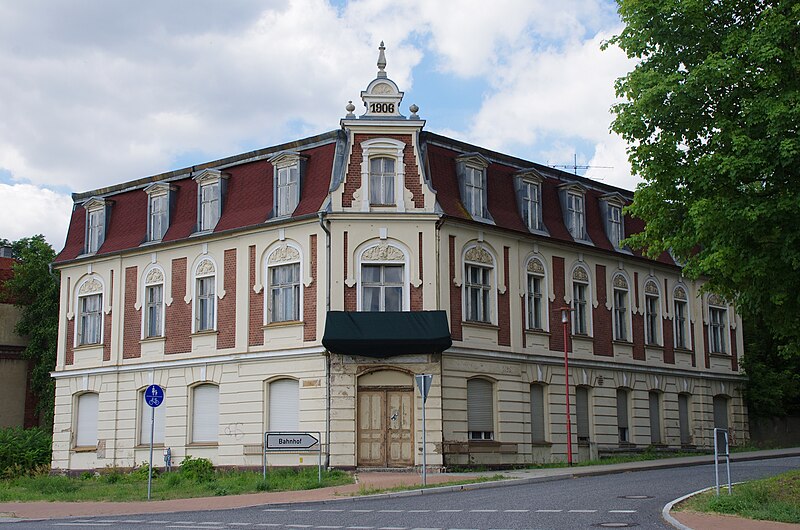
(210, 198)
(478, 281)
(283, 275)
(381, 181)
(580, 293)
(717, 324)
(535, 294)
(158, 208)
(288, 170)
(611, 208)
(621, 308)
(681, 317)
(205, 306)
(529, 196)
(154, 303)
(383, 278)
(97, 212)
(573, 204)
(652, 315)
(472, 169)
(90, 313)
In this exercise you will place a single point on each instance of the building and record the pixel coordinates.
(19, 402)
(300, 287)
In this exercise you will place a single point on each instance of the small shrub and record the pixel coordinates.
(173, 480)
(262, 485)
(86, 475)
(197, 469)
(22, 451)
(142, 471)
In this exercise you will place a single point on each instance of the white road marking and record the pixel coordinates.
(418, 511)
(82, 524)
(360, 527)
(445, 511)
(582, 511)
(390, 511)
(483, 511)
(268, 524)
(158, 522)
(516, 511)
(298, 526)
(361, 511)
(276, 510)
(621, 511)
(392, 528)
(332, 511)
(240, 524)
(303, 510)
(197, 527)
(327, 527)
(549, 511)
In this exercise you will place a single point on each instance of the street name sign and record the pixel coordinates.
(290, 441)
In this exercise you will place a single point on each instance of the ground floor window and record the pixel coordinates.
(283, 405)
(145, 421)
(480, 405)
(205, 414)
(654, 399)
(86, 424)
(537, 413)
(683, 419)
(582, 413)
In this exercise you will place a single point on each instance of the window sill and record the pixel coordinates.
(150, 242)
(720, 354)
(202, 232)
(147, 340)
(541, 443)
(484, 325)
(654, 346)
(682, 350)
(202, 444)
(205, 333)
(581, 336)
(622, 342)
(86, 347)
(85, 449)
(542, 332)
(147, 446)
(286, 324)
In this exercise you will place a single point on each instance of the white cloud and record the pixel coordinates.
(27, 210)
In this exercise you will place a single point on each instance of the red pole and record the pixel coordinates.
(565, 321)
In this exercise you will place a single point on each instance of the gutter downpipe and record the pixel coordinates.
(322, 224)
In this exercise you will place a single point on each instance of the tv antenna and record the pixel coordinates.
(575, 167)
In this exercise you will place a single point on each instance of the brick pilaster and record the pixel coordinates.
(255, 330)
(310, 294)
(504, 307)
(132, 329)
(226, 307)
(455, 293)
(556, 327)
(603, 327)
(178, 316)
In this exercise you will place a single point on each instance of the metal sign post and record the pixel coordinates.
(721, 447)
(153, 396)
(293, 442)
(424, 385)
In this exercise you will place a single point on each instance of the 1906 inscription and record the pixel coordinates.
(382, 108)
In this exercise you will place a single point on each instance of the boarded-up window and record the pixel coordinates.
(480, 405)
(284, 405)
(86, 435)
(537, 413)
(683, 419)
(622, 415)
(205, 414)
(655, 417)
(582, 413)
(145, 421)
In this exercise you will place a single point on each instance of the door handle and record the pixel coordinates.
(393, 416)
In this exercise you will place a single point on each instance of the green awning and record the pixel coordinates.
(387, 333)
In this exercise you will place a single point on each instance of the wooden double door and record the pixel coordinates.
(385, 426)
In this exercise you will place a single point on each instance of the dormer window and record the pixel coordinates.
(158, 209)
(381, 181)
(471, 169)
(529, 198)
(210, 195)
(573, 204)
(288, 168)
(382, 174)
(611, 208)
(97, 211)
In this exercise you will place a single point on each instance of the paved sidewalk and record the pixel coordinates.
(367, 481)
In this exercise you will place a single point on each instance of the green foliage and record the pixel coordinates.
(35, 290)
(24, 451)
(711, 116)
(772, 499)
(142, 471)
(197, 469)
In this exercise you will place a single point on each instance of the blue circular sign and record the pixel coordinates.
(154, 395)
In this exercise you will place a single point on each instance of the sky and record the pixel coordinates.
(96, 93)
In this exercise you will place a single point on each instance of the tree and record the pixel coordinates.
(711, 115)
(34, 289)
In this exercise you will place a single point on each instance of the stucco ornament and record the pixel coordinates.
(535, 266)
(91, 286)
(651, 288)
(283, 254)
(580, 274)
(206, 268)
(382, 88)
(680, 293)
(479, 255)
(716, 300)
(155, 276)
(620, 282)
(383, 252)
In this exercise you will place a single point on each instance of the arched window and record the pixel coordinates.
(621, 308)
(205, 414)
(205, 298)
(284, 285)
(652, 313)
(154, 303)
(90, 313)
(86, 421)
(681, 317)
(479, 282)
(580, 301)
(383, 278)
(717, 324)
(158, 419)
(284, 405)
(536, 294)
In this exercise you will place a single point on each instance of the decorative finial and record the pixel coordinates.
(381, 61)
(350, 108)
(414, 109)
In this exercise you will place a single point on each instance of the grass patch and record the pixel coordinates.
(370, 490)
(115, 486)
(772, 499)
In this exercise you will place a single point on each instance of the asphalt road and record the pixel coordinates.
(633, 499)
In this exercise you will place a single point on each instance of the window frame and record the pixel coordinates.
(536, 270)
(383, 148)
(530, 198)
(153, 276)
(98, 212)
(622, 316)
(385, 179)
(544, 410)
(652, 313)
(682, 326)
(158, 191)
(84, 318)
(206, 180)
(717, 328)
(478, 434)
(576, 214)
(611, 209)
(623, 427)
(388, 252)
(472, 170)
(208, 275)
(656, 438)
(286, 195)
(382, 285)
(271, 405)
(79, 440)
(581, 307)
(193, 431)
